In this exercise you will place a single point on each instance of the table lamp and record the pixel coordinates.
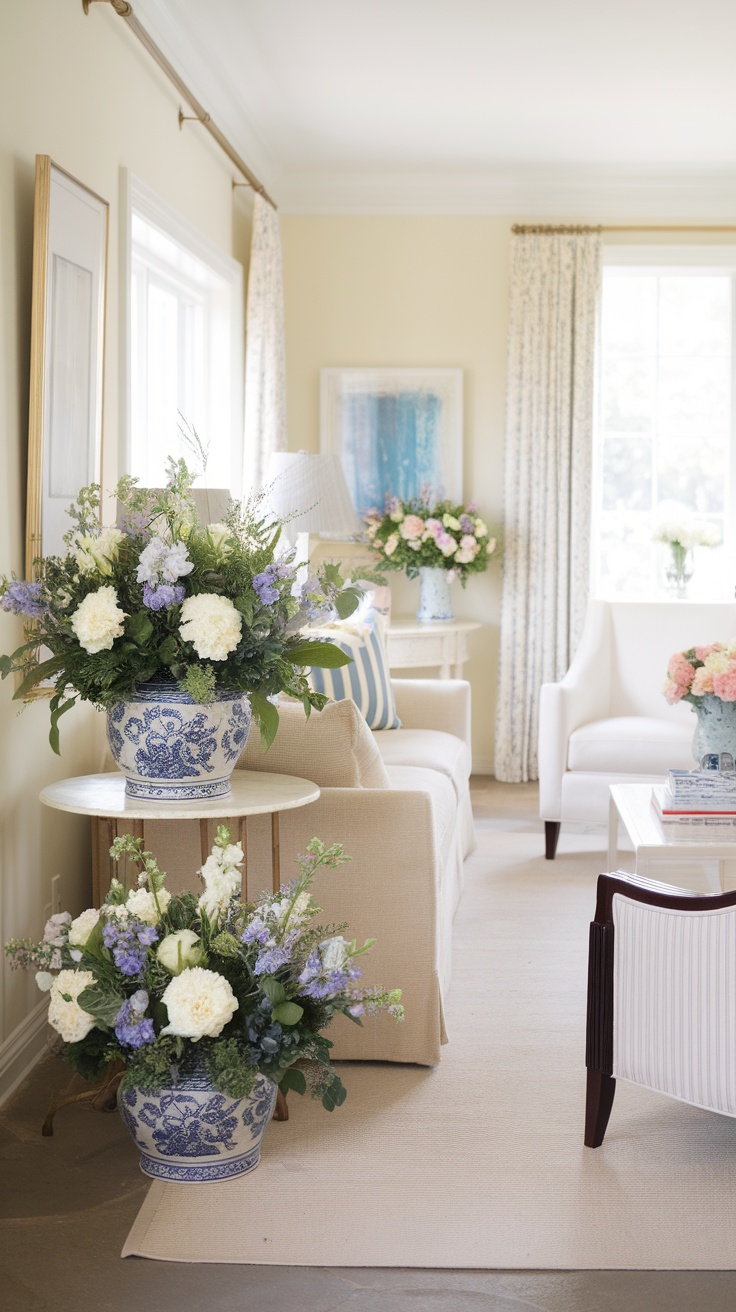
(308, 493)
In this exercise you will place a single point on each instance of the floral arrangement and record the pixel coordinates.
(156, 595)
(444, 535)
(699, 671)
(678, 528)
(154, 981)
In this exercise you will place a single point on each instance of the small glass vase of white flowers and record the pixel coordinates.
(681, 531)
(202, 1008)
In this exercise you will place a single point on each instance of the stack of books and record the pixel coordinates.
(697, 797)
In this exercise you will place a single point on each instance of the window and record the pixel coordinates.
(664, 415)
(185, 345)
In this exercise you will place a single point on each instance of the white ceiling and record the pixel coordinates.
(505, 105)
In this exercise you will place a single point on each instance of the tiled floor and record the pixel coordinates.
(67, 1203)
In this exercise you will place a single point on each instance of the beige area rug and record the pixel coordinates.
(480, 1162)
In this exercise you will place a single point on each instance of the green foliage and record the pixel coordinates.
(92, 1054)
(150, 1067)
(229, 1068)
(288, 1013)
(102, 1003)
(293, 1079)
(199, 681)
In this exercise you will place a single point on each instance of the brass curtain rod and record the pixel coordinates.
(570, 229)
(125, 10)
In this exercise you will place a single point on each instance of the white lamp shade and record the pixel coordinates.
(308, 493)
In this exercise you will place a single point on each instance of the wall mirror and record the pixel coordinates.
(70, 233)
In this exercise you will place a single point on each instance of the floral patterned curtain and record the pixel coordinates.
(555, 286)
(265, 369)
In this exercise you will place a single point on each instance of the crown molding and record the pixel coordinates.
(540, 192)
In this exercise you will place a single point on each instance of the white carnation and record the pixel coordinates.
(142, 904)
(199, 1003)
(70, 1020)
(98, 620)
(212, 624)
(81, 928)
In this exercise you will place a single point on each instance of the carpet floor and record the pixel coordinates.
(479, 1162)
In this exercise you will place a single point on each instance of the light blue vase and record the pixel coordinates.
(171, 748)
(191, 1134)
(715, 732)
(434, 595)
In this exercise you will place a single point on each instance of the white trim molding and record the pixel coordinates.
(22, 1049)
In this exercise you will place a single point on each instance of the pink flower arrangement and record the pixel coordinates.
(412, 534)
(702, 671)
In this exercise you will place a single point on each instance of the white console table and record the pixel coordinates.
(442, 644)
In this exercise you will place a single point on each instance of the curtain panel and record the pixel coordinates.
(555, 289)
(265, 367)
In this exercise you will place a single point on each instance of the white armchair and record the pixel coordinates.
(607, 721)
(660, 997)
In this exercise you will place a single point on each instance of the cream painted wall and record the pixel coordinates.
(418, 290)
(405, 291)
(82, 90)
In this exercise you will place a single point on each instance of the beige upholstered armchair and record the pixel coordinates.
(607, 721)
(661, 997)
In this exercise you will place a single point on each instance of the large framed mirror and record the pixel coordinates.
(70, 237)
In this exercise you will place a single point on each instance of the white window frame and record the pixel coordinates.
(138, 197)
(663, 259)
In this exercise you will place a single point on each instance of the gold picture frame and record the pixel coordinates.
(68, 302)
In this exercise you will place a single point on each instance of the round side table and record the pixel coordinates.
(253, 792)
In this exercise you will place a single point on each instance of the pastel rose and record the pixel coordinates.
(724, 685)
(673, 692)
(702, 683)
(391, 544)
(412, 527)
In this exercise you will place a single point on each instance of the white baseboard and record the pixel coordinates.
(22, 1049)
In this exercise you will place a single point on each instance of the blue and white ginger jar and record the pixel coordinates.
(715, 732)
(171, 748)
(191, 1134)
(434, 595)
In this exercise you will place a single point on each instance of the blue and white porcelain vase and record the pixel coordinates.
(715, 732)
(191, 1134)
(171, 748)
(434, 595)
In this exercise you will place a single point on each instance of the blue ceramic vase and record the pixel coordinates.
(171, 748)
(716, 728)
(191, 1134)
(434, 595)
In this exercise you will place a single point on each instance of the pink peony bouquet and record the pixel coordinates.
(700, 671)
(442, 535)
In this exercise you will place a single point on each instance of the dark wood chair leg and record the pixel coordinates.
(599, 1096)
(551, 836)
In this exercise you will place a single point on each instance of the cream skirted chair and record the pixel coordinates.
(607, 721)
(661, 997)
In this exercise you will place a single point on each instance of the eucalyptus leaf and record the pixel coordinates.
(273, 989)
(266, 715)
(324, 655)
(288, 1013)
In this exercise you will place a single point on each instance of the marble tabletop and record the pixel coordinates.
(253, 792)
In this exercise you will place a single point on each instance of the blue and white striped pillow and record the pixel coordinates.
(366, 680)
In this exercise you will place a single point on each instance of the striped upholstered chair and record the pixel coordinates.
(661, 997)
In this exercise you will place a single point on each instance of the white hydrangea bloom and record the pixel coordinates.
(212, 624)
(81, 928)
(70, 1020)
(142, 904)
(98, 620)
(199, 1003)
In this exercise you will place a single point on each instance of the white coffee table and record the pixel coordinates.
(252, 792)
(658, 844)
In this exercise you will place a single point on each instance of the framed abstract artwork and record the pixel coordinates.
(396, 431)
(70, 226)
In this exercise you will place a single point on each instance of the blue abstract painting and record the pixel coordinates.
(395, 435)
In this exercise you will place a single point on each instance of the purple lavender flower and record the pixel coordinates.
(166, 594)
(128, 940)
(132, 1028)
(270, 959)
(467, 524)
(328, 970)
(134, 523)
(265, 585)
(24, 599)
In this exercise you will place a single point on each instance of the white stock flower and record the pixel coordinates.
(199, 1003)
(81, 928)
(98, 620)
(177, 951)
(391, 544)
(142, 904)
(221, 879)
(212, 624)
(70, 1020)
